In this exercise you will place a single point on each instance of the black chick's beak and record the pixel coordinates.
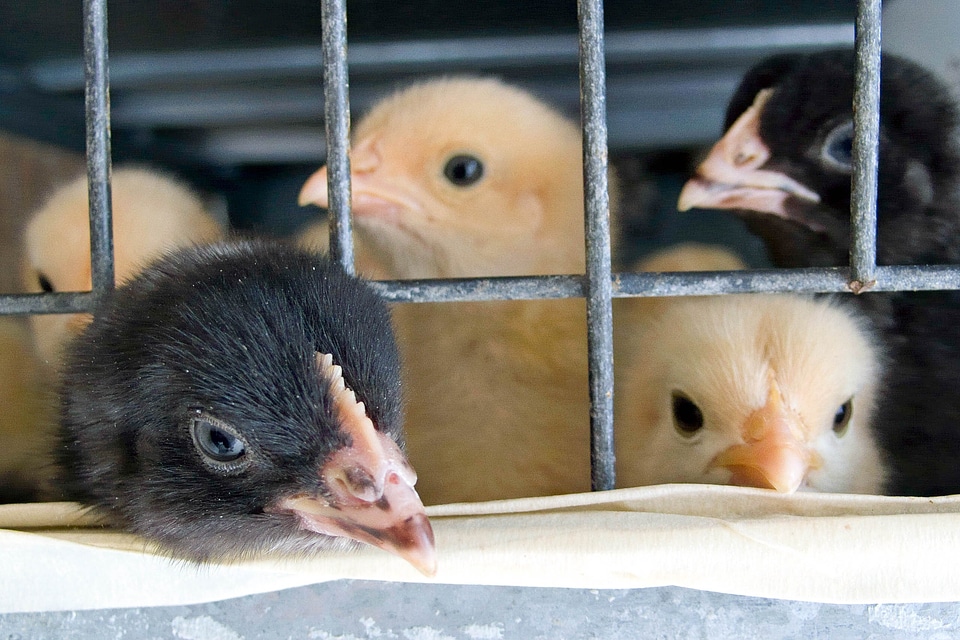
(369, 498)
(367, 485)
(732, 177)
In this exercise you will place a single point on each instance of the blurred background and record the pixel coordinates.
(227, 93)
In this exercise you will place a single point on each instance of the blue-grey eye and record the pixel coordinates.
(217, 441)
(463, 170)
(837, 149)
(687, 417)
(841, 420)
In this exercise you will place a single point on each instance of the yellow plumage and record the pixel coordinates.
(152, 213)
(27, 416)
(753, 365)
(497, 395)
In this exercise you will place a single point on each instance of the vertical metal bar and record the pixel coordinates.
(866, 133)
(593, 104)
(336, 109)
(97, 79)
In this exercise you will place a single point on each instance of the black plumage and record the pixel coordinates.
(210, 407)
(802, 134)
(784, 166)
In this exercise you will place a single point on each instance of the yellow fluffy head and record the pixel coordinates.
(151, 214)
(516, 208)
(734, 362)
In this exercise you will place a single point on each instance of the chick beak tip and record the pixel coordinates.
(691, 195)
(314, 190)
(413, 541)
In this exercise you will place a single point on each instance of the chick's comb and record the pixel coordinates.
(366, 441)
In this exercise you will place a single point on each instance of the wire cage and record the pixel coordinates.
(599, 285)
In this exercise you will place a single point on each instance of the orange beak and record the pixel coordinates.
(373, 194)
(731, 177)
(774, 455)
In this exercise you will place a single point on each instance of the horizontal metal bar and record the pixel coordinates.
(813, 280)
(626, 285)
(27, 303)
(477, 289)
(646, 47)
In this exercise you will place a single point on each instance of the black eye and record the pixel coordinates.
(463, 170)
(45, 284)
(687, 416)
(841, 420)
(837, 149)
(217, 442)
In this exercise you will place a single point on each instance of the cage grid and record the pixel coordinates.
(598, 285)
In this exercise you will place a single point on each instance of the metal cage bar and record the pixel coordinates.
(598, 289)
(336, 106)
(97, 76)
(866, 130)
(97, 106)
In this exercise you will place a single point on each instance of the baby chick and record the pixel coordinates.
(26, 417)
(785, 161)
(152, 213)
(238, 399)
(463, 177)
(767, 391)
(469, 177)
(497, 398)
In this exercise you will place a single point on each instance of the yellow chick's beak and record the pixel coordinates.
(373, 194)
(314, 190)
(774, 455)
(731, 176)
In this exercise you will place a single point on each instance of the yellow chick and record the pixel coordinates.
(152, 213)
(26, 419)
(463, 177)
(471, 177)
(497, 398)
(772, 391)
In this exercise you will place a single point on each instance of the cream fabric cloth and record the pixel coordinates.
(818, 547)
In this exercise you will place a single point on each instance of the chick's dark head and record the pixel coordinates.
(243, 398)
(785, 160)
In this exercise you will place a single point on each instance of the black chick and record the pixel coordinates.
(239, 399)
(784, 165)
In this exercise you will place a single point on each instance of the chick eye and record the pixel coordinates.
(463, 170)
(45, 285)
(687, 417)
(217, 442)
(837, 151)
(841, 420)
